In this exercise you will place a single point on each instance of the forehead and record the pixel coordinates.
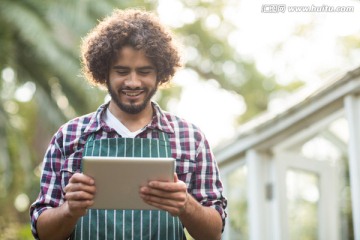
(130, 56)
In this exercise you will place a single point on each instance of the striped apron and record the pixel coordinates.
(128, 224)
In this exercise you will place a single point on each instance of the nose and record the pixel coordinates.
(133, 80)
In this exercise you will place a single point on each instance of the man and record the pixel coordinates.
(131, 54)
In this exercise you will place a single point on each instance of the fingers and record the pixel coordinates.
(176, 179)
(174, 206)
(77, 208)
(167, 190)
(79, 187)
(79, 194)
(80, 205)
(81, 178)
(80, 183)
(168, 186)
(171, 197)
(174, 211)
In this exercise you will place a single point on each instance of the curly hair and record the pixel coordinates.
(136, 28)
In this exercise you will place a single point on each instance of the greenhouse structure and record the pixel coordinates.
(295, 173)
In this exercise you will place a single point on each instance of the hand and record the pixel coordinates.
(168, 196)
(79, 194)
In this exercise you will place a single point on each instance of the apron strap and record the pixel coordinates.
(163, 136)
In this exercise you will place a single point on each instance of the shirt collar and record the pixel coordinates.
(95, 122)
(159, 121)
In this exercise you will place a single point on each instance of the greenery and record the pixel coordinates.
(39, 57)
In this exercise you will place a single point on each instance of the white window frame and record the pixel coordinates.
(328, 219)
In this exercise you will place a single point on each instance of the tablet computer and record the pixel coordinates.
(118, 179)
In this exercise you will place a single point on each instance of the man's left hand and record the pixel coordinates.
(168, 196)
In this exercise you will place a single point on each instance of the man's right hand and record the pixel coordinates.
(59, 222)
(79, 194)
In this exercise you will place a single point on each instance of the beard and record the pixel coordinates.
(132, 107)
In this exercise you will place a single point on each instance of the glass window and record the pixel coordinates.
(303, 194)
(321, 149)
(331, 145)
(237, 203)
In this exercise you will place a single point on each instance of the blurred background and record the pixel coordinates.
(239, 62)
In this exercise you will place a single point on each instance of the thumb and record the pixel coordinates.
(176, 179)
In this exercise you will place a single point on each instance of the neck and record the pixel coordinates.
(133, 122)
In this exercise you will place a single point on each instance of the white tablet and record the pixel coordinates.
(118, 179)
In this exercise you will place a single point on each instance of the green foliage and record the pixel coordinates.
(24, 232)
(15, 231)
(215, 59)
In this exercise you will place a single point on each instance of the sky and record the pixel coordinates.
(262, 26)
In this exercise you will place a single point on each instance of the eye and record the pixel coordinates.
(122, 72)
(144, 72)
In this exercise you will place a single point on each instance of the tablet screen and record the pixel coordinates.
(118, 179)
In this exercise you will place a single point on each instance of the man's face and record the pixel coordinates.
(132, 80)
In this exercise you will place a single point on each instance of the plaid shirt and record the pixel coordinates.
(195, 164)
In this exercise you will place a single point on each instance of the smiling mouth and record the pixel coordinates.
(132, 93)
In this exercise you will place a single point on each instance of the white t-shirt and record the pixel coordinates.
(114, 123)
